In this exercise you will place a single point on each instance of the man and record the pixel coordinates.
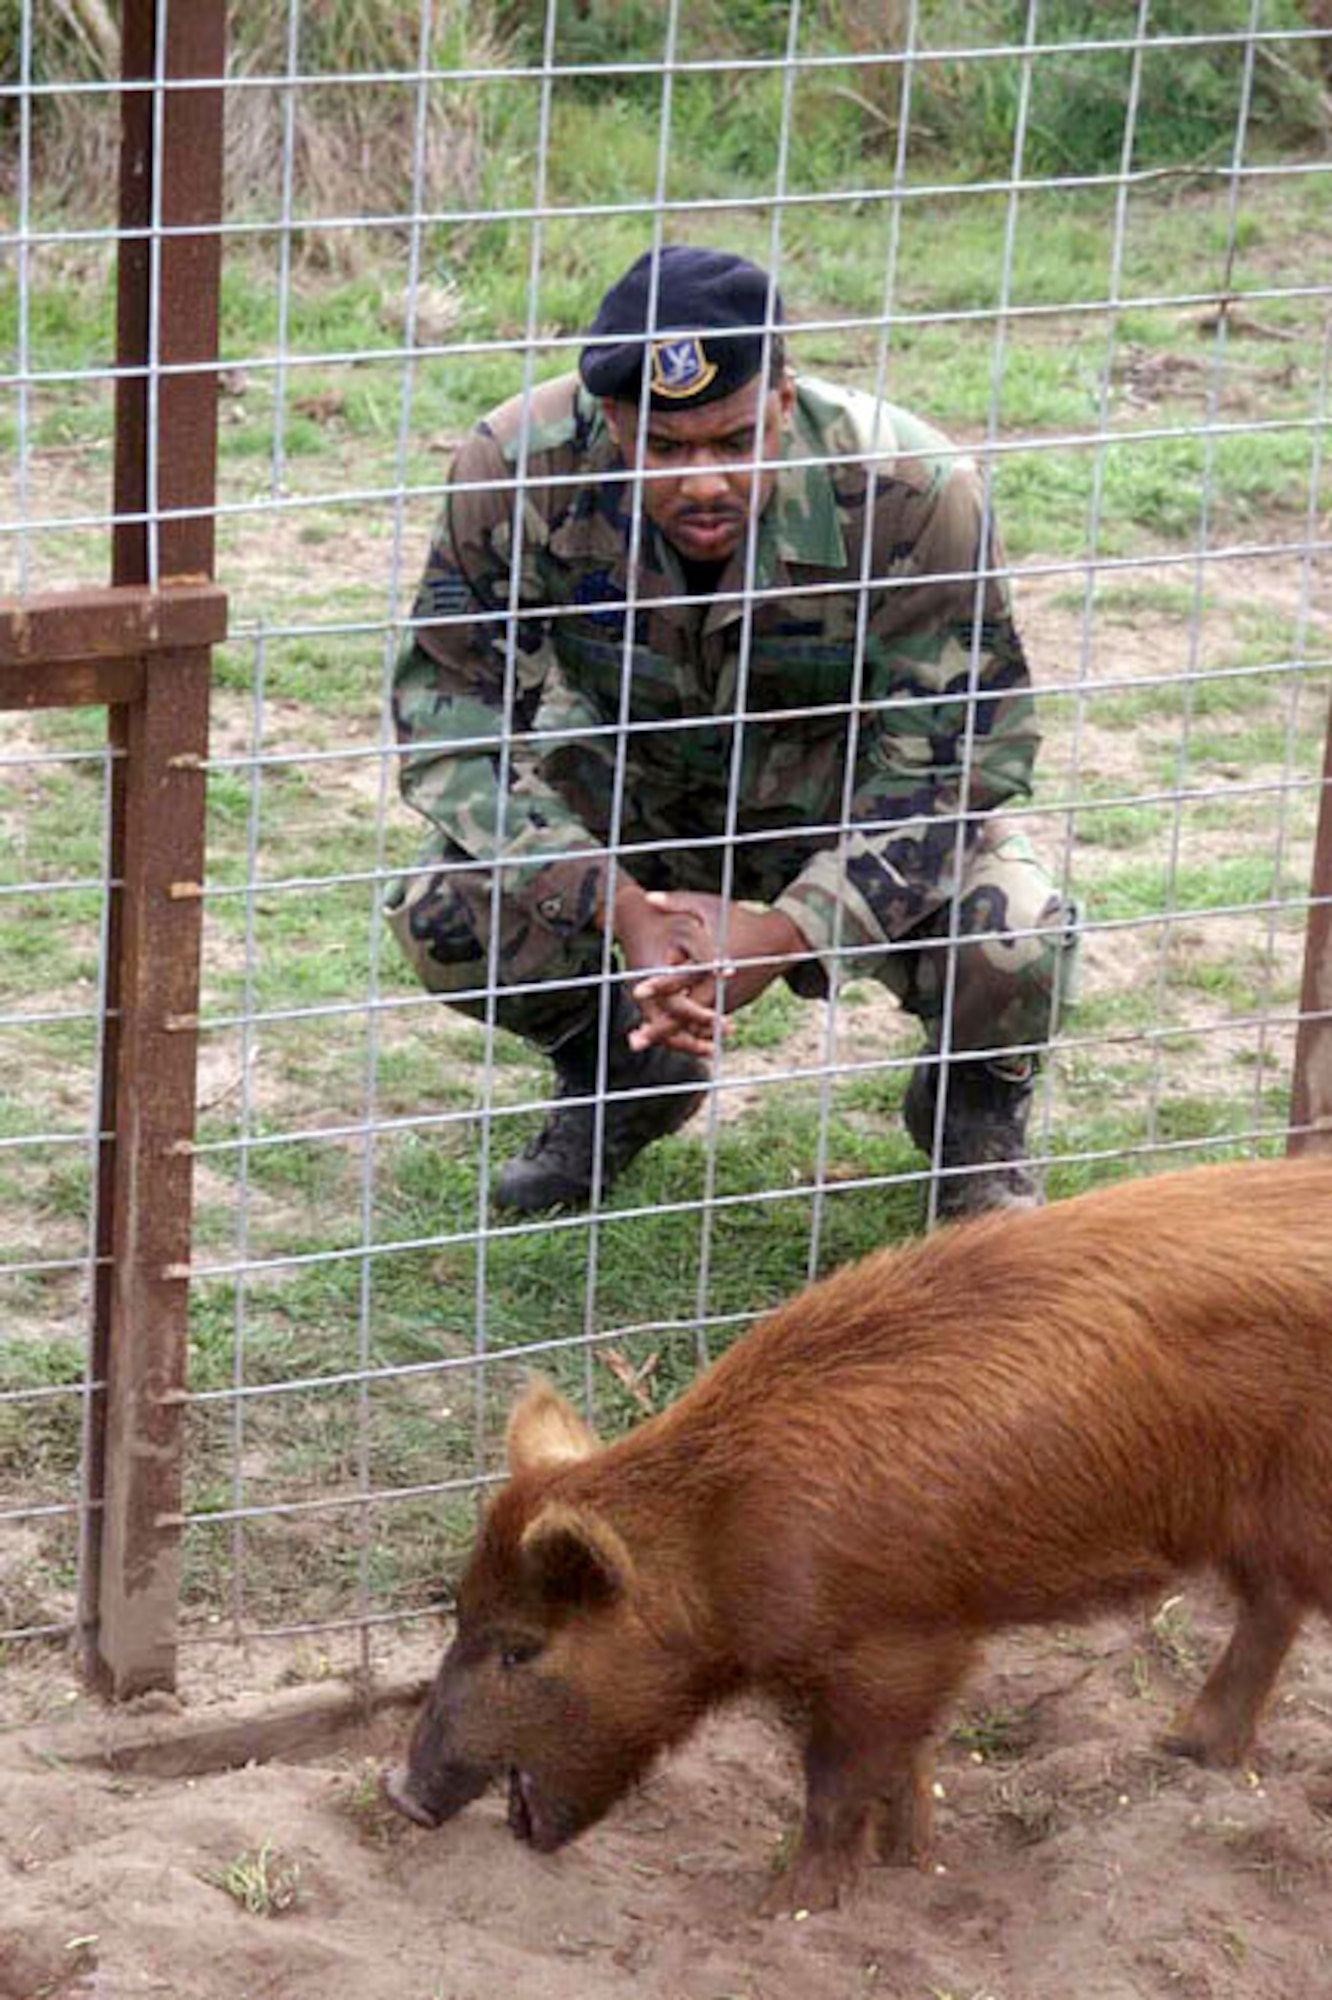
(701, 660)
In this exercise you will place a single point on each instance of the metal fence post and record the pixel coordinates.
(1311, 1085)
(166, 451)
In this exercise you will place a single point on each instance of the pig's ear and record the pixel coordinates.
(575, 1558)
(545, 1431)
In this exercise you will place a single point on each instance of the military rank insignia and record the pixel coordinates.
(680, 368)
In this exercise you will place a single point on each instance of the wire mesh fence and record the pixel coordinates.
(1088, 244)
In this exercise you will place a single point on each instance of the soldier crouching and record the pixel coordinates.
(737, 682)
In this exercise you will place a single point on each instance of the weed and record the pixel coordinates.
(1173, 1637)
(1029, 1812)
(361, 1800)
(306, 1666)
(784, 1849)
(262, 1880)
(994, 1735)
(1234, 1944)
(1270, 1853)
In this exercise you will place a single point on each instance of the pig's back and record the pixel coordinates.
(1225, 1269)
(1008, 1417)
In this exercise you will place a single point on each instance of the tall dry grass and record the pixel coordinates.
(336, 90)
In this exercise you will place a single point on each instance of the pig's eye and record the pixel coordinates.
(517, 1652)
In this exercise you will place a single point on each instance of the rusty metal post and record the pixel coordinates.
(1311, 1086)
(166, 448)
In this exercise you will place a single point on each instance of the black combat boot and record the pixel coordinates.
(554, 1169)
(984, 1131)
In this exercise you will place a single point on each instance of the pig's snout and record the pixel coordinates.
(445, 1793)
(397, 1788)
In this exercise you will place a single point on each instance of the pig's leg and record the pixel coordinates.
(868, 1753)
(1218, 1727)
(904, 1823)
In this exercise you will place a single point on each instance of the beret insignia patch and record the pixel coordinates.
(681, 368)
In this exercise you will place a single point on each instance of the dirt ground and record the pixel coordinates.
(1073, 1857)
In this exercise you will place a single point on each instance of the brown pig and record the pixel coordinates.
(1024, 1418)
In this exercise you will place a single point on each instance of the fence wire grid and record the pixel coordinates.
(1090, 244)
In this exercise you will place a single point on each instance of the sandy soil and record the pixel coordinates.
(1073, 1859)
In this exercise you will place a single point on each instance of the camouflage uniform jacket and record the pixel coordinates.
(692, 664)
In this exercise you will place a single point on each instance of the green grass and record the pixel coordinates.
(331, 674)
(1139, 889)
(1130, 603)
(1253, 703)
(1120, 827)
(40, 1439)
(1050, 380)
(767, 1023)
(305, 1322)
(62, 828)
(1152, 487)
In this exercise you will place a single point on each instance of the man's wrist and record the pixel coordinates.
(627, 903)
(777, 937)
(793, 943)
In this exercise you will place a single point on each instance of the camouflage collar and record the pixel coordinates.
(803, 512)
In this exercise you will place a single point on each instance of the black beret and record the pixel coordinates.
(712, 309)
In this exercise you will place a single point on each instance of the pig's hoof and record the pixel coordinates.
(1219, 1753)
(802, 1891)
(1199, 1749)
(899, 1845)
(899, 1853)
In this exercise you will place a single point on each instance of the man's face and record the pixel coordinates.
(703, 504)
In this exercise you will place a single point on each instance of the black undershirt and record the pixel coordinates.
(701, 578)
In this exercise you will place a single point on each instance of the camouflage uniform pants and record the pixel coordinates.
(1015, 951)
